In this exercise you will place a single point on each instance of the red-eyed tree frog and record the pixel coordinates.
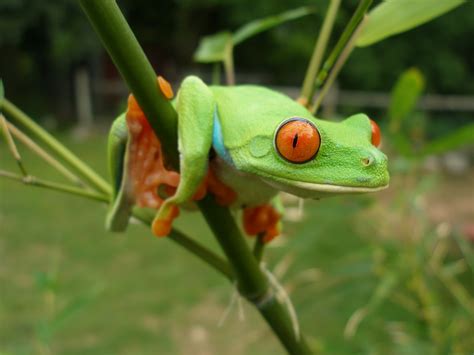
(241, 144)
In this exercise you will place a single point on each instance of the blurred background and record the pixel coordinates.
(390, 273)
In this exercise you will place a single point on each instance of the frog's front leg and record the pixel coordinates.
(195, 106)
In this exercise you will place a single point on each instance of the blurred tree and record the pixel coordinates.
(42, 42)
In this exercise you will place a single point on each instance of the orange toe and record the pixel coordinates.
(261, 220)
(161, 227)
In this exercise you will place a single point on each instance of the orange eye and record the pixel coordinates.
(376, 135)
(297, 140)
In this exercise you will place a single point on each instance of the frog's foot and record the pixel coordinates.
(262, 220)
(163, 221)
(146, 164)
(224, 195)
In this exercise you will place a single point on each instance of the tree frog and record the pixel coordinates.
(241, 144)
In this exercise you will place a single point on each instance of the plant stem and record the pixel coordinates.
(122, 46)
(129, 58)
(251, 281)
(341, 43)
(258, 247)
(23, 138)
(34, 181)
(338, 66)
(11, 145)
(307, 91)
(229, 66)
(74, 163)
(205, 254)
(78, 165)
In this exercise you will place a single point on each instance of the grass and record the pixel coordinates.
(69, 287)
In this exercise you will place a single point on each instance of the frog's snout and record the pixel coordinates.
(373, 157)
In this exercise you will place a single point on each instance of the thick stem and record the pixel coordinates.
(251, 281)
(74, 163)
(307, 91)
(78, 166)
(129, 58)
(121, 44)
(341, 43)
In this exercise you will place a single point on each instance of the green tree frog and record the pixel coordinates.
(241, 144)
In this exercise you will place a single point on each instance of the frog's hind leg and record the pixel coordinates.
(264, 220)
(195, 106)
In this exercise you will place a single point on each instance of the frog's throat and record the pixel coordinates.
(299, 187)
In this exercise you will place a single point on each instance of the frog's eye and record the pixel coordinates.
(297, 140)
(376, 135)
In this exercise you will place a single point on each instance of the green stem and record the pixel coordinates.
(205, 254)
(36, 149)
(307, 91)
(251, 281)
(258, 247)
(124, 49)
(34, 181)
(11, 145)
(216, 74)
(97, 182)
(338, 66)
(229, 66)
(341, 43)
(74, 163)
(122, 46)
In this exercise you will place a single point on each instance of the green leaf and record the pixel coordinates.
(457, 139)
(404, 97)
(257, 26)
(397, 16)
(214, 48)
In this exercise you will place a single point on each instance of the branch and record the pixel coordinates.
(341, 43)
(307, 90)
(110, 25)
(35, 148)
(41, 135)
(34, 181)
(338, 66)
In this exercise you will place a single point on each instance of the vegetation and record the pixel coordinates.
(403, 281)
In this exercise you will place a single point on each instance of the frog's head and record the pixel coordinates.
(313, 158)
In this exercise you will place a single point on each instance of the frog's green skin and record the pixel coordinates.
(239, 123)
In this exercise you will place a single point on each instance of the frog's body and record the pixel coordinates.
(263, 142)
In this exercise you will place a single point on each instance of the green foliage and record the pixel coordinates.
(407, 127)
(219, 47)
(396, 16)
(214, 48)
(454, 140)
(404, 97)
(255, 27)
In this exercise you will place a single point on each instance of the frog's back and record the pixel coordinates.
(248, 110)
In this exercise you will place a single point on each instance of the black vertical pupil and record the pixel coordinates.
(295, 140)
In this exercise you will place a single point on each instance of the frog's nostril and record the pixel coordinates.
(367, 161)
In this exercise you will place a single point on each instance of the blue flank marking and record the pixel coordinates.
(218, 140)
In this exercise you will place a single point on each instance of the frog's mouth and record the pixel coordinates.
(312, 190)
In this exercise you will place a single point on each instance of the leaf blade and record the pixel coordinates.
(214, 48)
(255, 27)
(404, 97)
(396, 16)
